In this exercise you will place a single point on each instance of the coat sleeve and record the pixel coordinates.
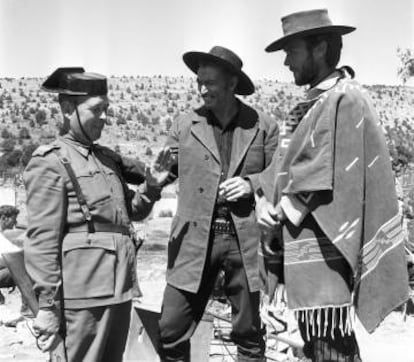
(173, 142)
(46, 208)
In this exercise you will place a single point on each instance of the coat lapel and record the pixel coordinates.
(244, 134)
(204, 133)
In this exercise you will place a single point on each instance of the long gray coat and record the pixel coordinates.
(254, 142)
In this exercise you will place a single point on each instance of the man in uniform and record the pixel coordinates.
(333, 195)
(222, 147)
(79, 252)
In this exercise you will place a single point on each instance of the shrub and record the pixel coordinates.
(8, 145)
(5, 133)
(24, 133)
(165, 213)
(148, 152)
(27, 153)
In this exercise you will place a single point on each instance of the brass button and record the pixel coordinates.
(201, 190)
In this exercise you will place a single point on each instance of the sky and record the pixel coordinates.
(148, 37)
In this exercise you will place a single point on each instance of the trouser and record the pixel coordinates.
(182, 311)
(97, 334)
(6, 280)
(327, 348)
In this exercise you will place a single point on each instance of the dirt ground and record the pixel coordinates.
(392, 341)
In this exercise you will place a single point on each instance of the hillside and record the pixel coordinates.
(142, 109)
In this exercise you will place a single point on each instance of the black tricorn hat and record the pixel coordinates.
(75, 81)
(303, 23)
(227, 59)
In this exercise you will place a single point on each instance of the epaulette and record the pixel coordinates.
(45, 149)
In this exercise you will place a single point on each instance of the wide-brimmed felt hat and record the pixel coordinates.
(303, 23)
(75, 81)
(227, 59)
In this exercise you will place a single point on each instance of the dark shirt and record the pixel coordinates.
(224, 141)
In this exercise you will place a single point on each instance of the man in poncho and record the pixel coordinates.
(331, 190)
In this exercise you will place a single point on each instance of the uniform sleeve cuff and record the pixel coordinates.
(47, 301)
(152, 193)
(295, 211)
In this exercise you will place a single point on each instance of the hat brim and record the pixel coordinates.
(63, 91)
(244, 87)
(279, 44)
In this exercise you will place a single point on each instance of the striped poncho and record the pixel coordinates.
(348, 250)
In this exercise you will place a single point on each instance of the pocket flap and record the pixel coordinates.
(88, 241)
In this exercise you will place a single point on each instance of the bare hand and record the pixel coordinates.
(46, 326)
(235, 188)
(266, 215)
(157, 173)
(280, 214)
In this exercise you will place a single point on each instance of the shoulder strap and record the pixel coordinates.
(78, 191)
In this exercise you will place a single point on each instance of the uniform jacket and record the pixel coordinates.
(92, 268)
(199, 169)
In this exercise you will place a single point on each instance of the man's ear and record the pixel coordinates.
(67, 108)
(233, 81)
(319, 51)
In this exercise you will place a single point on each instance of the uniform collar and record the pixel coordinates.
(80, 147)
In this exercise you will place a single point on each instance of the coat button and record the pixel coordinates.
(201, 190)
(206, 157)
(195, 223)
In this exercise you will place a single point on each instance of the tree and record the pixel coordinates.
(148, 152)
(24, 133)
(168, 124)
(406, 68)
(111, 112)
(8, 145)
(40, 117)
(120, 120)
(5, 133)
(13, 158)
(53, 112)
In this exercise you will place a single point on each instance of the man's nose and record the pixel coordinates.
(286, 62)
(104, 117)
(203, 89)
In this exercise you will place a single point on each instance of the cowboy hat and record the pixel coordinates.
(303, 23)
(227, 59)
(75, 81)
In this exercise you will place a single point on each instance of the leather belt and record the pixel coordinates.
(99, 227)
(222, 226)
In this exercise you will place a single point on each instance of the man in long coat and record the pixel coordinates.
(334, 196)
(222, 147)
